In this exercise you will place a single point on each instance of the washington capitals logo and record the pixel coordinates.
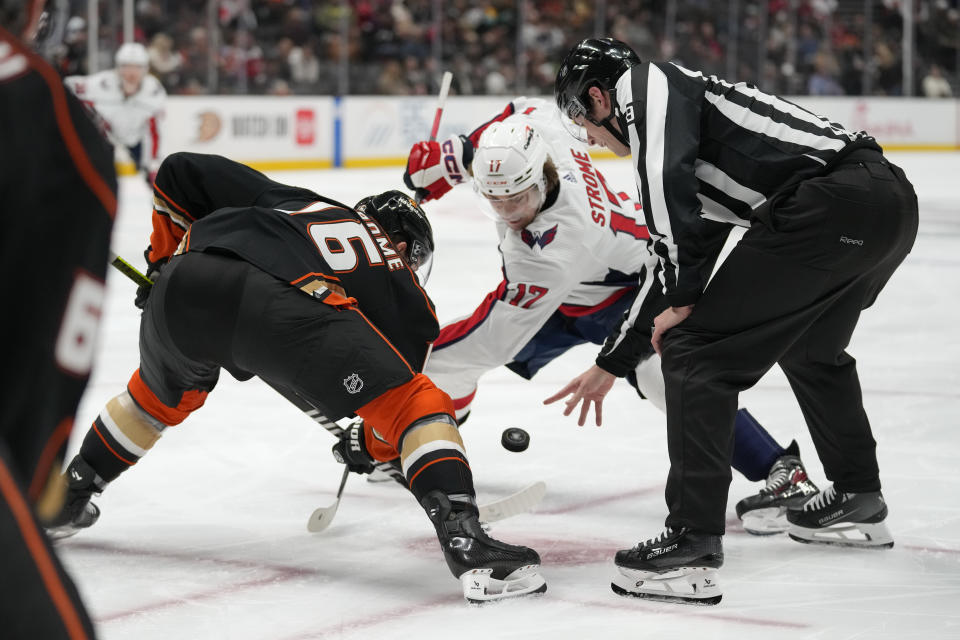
(542, 239)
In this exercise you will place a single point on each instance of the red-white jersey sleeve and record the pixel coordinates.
(537, 280)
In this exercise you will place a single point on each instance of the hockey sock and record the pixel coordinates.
(754, 449)
(119, 437)
(433, 459)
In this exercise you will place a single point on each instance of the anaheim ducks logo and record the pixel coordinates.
(208, 126)
(353, 383)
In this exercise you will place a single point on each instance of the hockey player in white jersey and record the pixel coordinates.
(575, 257)
(131, 104)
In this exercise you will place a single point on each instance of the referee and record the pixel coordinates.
(829, 220)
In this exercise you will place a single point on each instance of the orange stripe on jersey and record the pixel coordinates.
(315, 275)
(78, 153)
(426, 298)
(41, 556)
(307, 208)
(42, 471)
(164, 238)
(172, 203)
(378, 450)
(190, 401)
(390, 344)
(433, 462)
(107, 445)
(393, 411)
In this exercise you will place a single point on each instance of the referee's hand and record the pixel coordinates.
(667, 320)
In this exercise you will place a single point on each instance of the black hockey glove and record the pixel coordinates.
(351, 450)
(153, 270)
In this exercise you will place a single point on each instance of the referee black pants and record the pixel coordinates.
(791, 293)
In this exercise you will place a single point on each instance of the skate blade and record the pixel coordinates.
(846, 534)
(765, 522)
(61, 533)
(685, 585)
(479, 586)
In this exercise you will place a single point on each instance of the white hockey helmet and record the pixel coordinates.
(509, 159)
(132, 53)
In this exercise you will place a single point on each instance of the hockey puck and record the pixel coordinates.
(515, 439)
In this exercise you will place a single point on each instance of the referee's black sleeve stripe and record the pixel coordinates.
(770, 111)
(738, 207)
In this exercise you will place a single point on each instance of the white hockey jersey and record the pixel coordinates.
(579, 255)
(129, 120)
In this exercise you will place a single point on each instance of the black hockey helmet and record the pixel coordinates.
(594, 62)
(404, 221)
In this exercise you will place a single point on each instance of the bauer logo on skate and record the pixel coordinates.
(353, 383)
(662, 550)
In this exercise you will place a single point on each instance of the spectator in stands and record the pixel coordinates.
(935, 85)
(823, 81)
(74, 57)
(304, 66)
(383, 32)
(164, 61)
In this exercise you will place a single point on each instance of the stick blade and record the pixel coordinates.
(522, 501)
(321, 518)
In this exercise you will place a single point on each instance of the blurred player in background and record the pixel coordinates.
(576, 256)
(59, 199)
(131, 103)
(321, 301)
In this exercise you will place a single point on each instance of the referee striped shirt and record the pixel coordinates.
(707, 154)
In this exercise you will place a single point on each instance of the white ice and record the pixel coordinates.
(206, 536)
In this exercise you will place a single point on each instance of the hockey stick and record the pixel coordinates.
(522, 501)
(441, 101)
(129, 270)
(321, 517)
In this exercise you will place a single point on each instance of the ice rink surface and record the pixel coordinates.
(206, 537)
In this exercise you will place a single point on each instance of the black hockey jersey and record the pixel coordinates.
(327, 250)
(58, 199)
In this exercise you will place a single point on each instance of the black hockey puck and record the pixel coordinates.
(515, 439)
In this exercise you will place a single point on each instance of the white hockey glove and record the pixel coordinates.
(433, 168)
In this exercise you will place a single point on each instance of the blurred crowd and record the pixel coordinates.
(819, 47)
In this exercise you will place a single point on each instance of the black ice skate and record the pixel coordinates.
(787, 487)
(78, 512)
(842, 519)
(676, 566)
(488, 569)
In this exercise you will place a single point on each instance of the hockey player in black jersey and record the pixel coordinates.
(58, 200)
(320, 300)
(829, 220)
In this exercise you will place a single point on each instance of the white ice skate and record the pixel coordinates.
(687, 585)
(480, 586)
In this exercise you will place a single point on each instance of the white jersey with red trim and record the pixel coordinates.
(129, 120)
(579, 255)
